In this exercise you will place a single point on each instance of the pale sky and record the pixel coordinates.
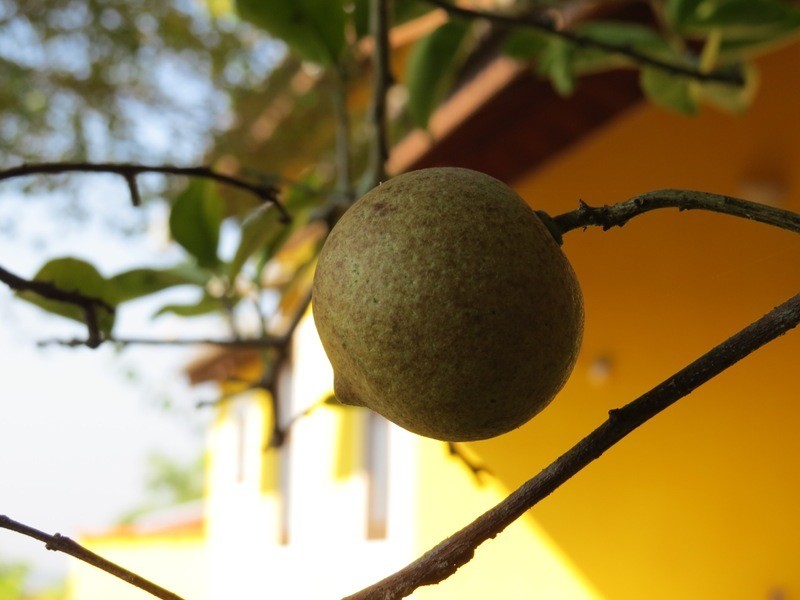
(75, 429)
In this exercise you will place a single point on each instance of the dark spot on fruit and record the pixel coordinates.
(382, 209)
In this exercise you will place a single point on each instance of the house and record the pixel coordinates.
(699, 503)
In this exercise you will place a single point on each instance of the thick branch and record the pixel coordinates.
(46, 289)
(444, 559)
(60, 543)
(549, 27)
(617, 215)
(381, 82)
(266, 193)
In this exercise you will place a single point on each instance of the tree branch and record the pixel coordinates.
(476, 468)
(617, 215)
(60, 543)
(549, 27)
(382, 80)
(47, 290)
(269, 379)
(266, 193)
(260, 342)
(444, 559)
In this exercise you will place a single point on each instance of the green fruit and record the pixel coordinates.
(445, 305)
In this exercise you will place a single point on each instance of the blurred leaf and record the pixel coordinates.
(296, 288)
(13, 580)
(709, 56)
(678, 12)
(295, 253)
(670, 91)
(220, 8)
(555, 63)
(313, 29)
(142, 282)
(195, 221)
(745, 19)
(257, 229)
(73, 275)
(206, 305)
(361, 17)
(262, 230)
(560, 60)
(636, 37)
(553, 57)
(525, 45)
(732, 99)
(430, 69)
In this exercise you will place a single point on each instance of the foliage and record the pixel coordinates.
(706, 36)
(15, 585)
(168, 483)
(77, 77)
(12, 580)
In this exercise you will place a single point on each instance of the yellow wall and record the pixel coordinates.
(177, 563)
(703, 501)
(521, 563)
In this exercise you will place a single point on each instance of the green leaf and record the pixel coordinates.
(361, 17)
(430, 69)
(195, 221)
(525, 45)
(206, 305)
(737, 19)
(262, 229)
(257, 230)
(629, 35)
(670, 91)
(732, 99)
(73, 275)
(679, 12)
(143, 282)
(555, 63)
(313, 29)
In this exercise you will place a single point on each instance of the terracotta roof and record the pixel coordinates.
(181, 520)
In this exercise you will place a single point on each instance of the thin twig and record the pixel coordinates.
(265, 192)
(45, 289)
(60, 543)
(617, 215)
(476, 468)
(269, 379)
(382, 80)
(444, 559)
(547, 26)
(260, 342)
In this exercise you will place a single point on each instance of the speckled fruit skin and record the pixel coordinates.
(445, 305)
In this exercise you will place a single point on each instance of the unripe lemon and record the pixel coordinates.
(445, 305)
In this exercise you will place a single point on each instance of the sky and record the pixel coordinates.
(77, 425)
